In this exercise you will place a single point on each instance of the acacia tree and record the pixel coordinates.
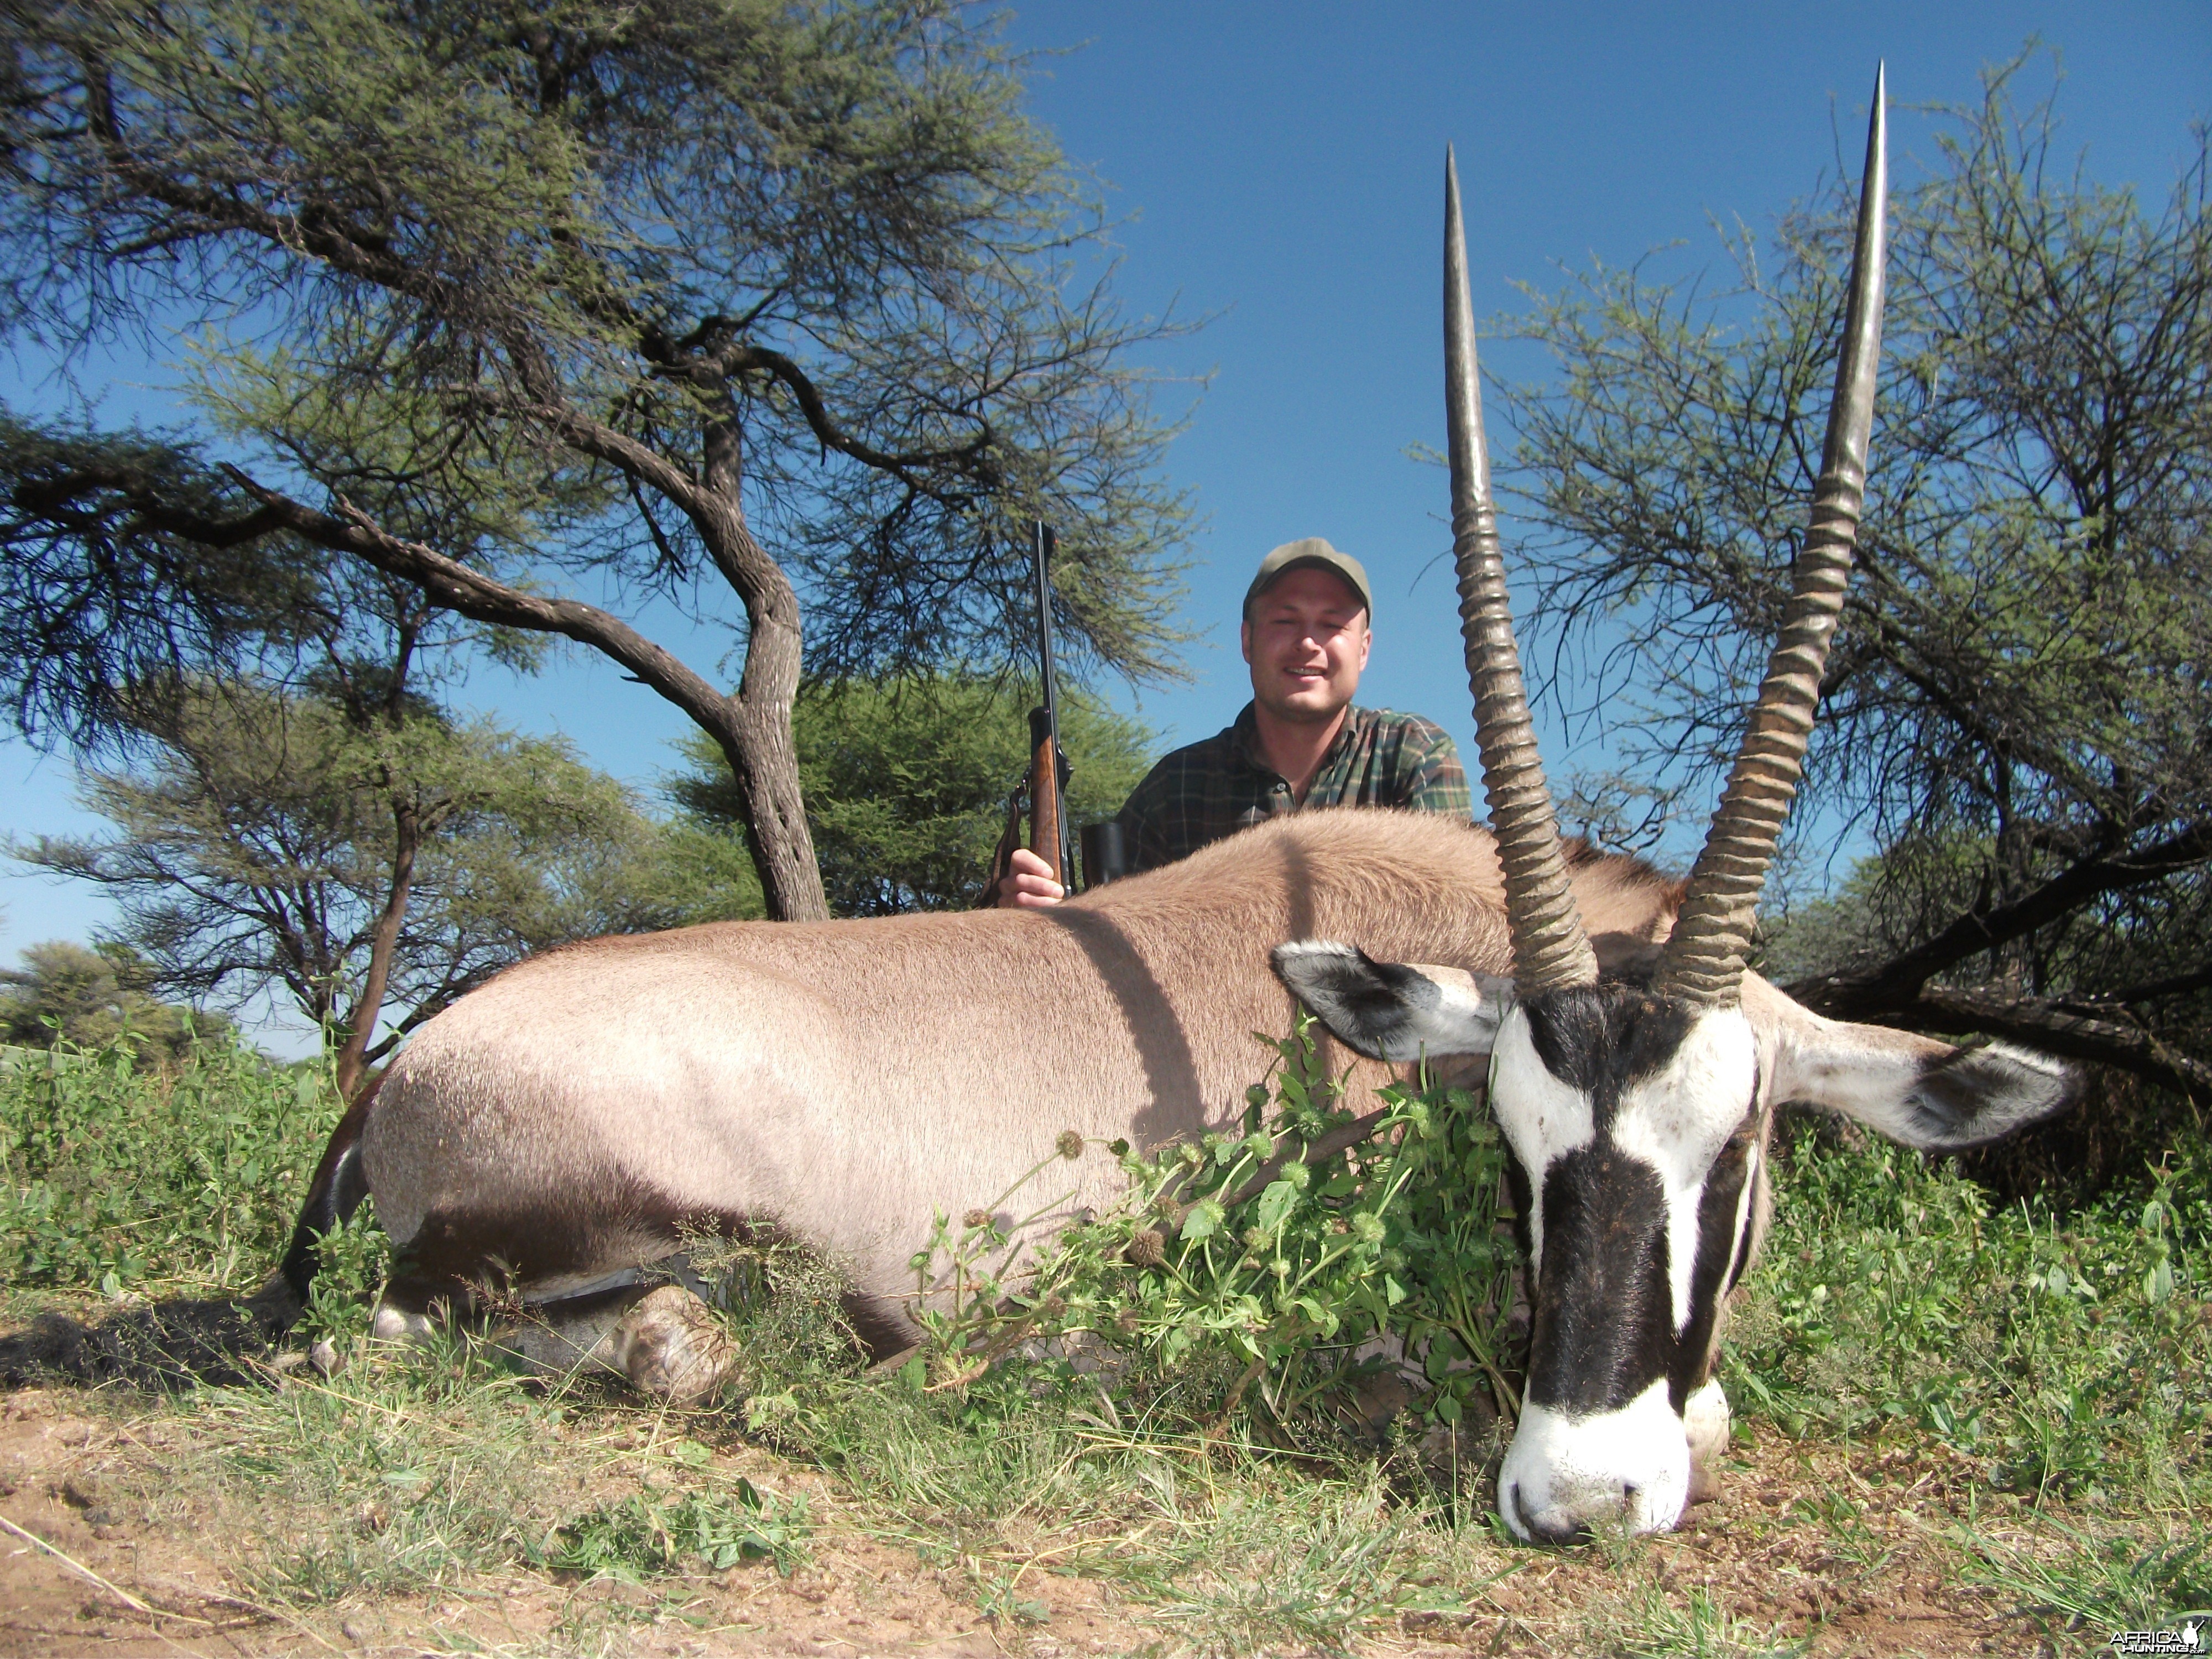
(338, 836)
(2020, 699)
(736, 303)
(371, 870)
(906, 781)
(92, 998)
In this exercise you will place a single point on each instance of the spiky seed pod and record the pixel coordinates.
(1070, 1144)
(1146, 1249)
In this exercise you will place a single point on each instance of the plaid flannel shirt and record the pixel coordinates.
(1201, 794)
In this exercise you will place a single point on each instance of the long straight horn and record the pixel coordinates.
(1549, 947)
(1705, 961)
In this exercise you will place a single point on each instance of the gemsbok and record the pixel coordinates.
(557, 1133)
(1638, 1097)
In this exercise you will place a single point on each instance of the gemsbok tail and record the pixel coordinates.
(334, 1193)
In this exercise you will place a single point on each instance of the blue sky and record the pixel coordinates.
(1280, 168)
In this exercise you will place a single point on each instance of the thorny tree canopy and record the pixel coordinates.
(906, 781)
(255, 854)
(2019, 700)
(759, 301)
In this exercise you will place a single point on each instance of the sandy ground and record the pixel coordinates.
(128, 1588)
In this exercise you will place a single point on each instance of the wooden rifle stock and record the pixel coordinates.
(1047, 823)
(1044, 794)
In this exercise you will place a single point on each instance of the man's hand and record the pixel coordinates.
(1028, 883)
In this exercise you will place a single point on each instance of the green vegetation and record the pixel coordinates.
(640, 1536)
(184, 1180)
(906, 780)
(90, 998)
(1277, 1252)
(415, 1474)
(2067, 1356)
(2010, 1401)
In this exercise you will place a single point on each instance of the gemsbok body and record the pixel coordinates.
(838, 1083)
(1638, 1099)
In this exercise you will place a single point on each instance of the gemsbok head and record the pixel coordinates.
(1638, 1103)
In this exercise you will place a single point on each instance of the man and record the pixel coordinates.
(1298, 743)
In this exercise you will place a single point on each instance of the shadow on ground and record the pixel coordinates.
(169, 1345)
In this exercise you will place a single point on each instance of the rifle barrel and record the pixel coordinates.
(1047, 818)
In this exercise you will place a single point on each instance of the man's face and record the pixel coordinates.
(1307, 642)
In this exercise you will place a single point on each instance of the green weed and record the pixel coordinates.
(2076, 1579)
(355, 1260)
(408, 1468)
(1284, 1576)
(640, 1536)
(1251, 1250)
(2068, 1356)
(174, 1182)
(1698, 1628)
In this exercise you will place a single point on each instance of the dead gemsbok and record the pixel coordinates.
(1638, 1105)
(836, 1083)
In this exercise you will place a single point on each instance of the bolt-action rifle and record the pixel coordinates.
(1042, 795)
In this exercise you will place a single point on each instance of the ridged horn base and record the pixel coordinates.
(1550, 949)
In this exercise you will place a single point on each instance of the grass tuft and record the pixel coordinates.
(2081, 1579)
(2067, 1357)
(640, 1536)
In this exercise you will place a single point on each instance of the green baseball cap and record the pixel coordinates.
(1310, 550)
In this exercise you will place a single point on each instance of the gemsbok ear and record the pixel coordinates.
(1930, 1095)
(1394, 1010)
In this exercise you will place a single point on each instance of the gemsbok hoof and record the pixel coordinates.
(1705, 1421)
(671, 1347)
(390, 1324)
